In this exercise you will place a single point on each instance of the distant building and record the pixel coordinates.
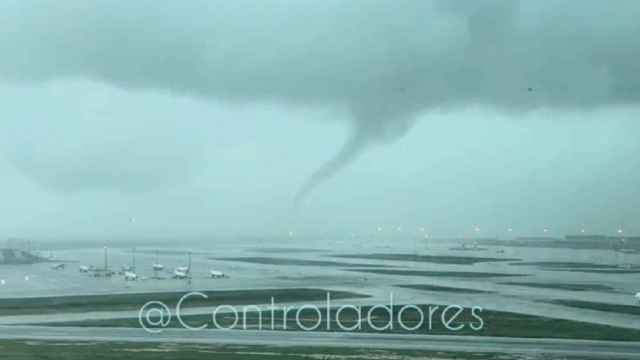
(586, 237)
(18, 257)
(537, 238)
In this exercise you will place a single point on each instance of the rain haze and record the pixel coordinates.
(337, 179)
(333, 117)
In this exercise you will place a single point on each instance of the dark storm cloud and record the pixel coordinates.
(382, 61)
(76, 135)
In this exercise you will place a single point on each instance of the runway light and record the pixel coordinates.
(619, 231)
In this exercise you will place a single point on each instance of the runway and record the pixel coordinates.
(591, 349)
(39, 280)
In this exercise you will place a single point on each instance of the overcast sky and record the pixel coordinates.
(260, 117)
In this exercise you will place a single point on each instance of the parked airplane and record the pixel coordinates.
(217, 274)
(157, 266)
(130, 276)
(183, 272)
(130, 271)
(59, 266)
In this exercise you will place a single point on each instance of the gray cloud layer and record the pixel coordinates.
(384, 62)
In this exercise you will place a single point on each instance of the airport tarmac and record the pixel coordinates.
(41, 280)
(545, 348)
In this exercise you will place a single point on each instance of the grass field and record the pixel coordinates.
(427, 273)
(28, 350)
(585, 267)
(495, 323)
(562, 286)
(296, 262)
(113, 302)
(447, 289)
(591, 305)
(434, 259)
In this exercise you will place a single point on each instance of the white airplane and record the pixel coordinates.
(58, 267)
(217, 274)
(181, 272)
(83, 269)
(130, 276)
(156, 265)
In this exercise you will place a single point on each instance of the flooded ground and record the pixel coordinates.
(414, 271)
